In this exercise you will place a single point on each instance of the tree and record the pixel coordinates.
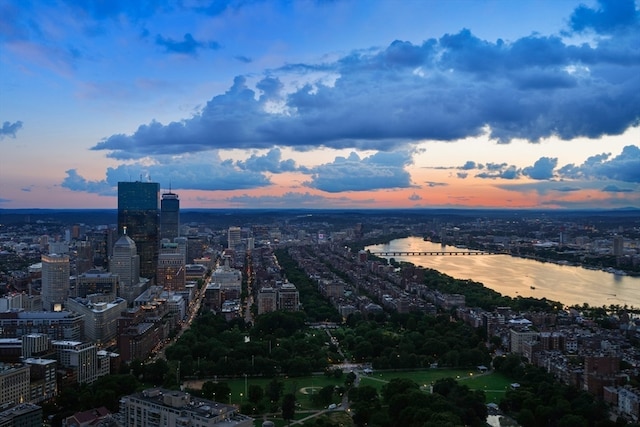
(288, 407)
(255, 393)
(273, 390)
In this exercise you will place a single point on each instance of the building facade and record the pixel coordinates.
(161, 407)
(169, 216)
(55, 281)
(139, 215)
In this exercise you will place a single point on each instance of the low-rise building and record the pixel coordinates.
(177, 408)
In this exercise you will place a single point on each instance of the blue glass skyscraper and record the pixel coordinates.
(139, 218)
(169, 216)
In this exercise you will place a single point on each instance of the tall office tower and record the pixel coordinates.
(125, 262)
(84, 260)
(171, 271)
(618, 245)
(138, 212)
(55, 281)
(234, 237)
(169, 216)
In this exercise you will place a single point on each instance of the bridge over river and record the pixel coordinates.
(434, 253)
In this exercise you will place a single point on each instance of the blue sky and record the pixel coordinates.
(322, 104)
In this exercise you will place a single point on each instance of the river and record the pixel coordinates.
(513, 276)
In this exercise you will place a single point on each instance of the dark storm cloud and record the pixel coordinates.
(381, 170)
(443, 89)
(541, 169)
(9, 129)
(187, 46)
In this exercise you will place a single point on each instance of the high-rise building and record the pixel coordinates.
(171, 271)
(139, 215)
(125, 262)
(169, 216)
(55, 281)
(234, 237)
(618, 245)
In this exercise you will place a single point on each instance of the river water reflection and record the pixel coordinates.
(514, 276)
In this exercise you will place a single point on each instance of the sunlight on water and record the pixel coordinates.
(514, 276)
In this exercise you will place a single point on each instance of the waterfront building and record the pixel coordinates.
(14, 383)
(139, 215)
(55, 281)
(177, 408)
(169, 216)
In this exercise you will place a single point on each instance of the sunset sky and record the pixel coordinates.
(321, 104)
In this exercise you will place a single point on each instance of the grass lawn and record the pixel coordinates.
(302, 387)
(493, 384)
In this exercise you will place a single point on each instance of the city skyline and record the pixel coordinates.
(314, 104)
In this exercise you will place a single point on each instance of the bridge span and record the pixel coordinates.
(434, 253)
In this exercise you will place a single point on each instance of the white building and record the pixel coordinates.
(79, 357)
(160, 407)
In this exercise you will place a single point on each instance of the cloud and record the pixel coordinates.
(242, 58)
(541, 169)
(270, 162)
(567, 189)
(500, 171)
(443, 89)
(615, 189)
(204, 172)
(378, 171)
(5, 200)
(9, 129)
(612, 15)
(289, 199)
(436, 184)
(188, 46)
(415, 197)
(624, 167)
(469, 165)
